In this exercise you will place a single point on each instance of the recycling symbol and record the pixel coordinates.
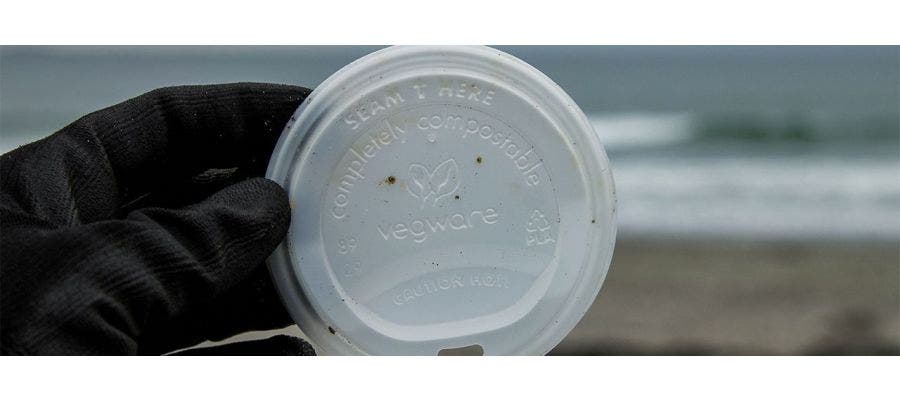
(538, 229)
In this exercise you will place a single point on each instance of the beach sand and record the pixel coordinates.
(721, 297)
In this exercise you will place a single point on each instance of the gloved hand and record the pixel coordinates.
(143, 228)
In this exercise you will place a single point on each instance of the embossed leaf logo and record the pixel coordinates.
(433, 186)
(419, 182)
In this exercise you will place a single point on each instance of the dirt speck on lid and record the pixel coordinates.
(390, 180)
(479, 160)
(330, 329)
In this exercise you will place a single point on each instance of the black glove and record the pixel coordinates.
(143, 228)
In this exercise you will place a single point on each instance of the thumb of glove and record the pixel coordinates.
(200, 253)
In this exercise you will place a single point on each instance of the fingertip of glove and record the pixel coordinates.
(266, 187)
(259, 198)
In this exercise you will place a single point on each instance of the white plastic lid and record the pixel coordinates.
(442, 198)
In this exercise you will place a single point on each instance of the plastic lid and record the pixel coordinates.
(442, 198)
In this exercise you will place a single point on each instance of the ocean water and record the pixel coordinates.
(766, 143)
(676, 182)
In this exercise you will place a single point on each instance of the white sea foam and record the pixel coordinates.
(795, 197)
(634, 130)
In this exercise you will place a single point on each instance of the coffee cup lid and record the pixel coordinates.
(444, 199)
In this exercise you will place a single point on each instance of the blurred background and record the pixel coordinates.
(759, 187)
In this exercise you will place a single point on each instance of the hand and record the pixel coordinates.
(144, 228)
